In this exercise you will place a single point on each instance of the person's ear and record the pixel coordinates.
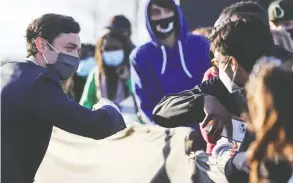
(40, 45)
(234, 64)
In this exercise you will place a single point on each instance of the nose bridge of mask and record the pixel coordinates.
(65, 65)
(111, 54)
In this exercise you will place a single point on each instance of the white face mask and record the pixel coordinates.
(113, 58)
(229, 84)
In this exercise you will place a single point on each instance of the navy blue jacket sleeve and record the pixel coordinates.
(47, 101)
(233, 174)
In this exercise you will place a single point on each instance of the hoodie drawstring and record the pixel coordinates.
(181, 59)
(164, 59)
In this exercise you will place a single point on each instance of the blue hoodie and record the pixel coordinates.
(157, 70)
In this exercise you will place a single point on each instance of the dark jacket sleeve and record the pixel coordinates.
(187, 106)
(233, 175)
(47, 101)
(280, 171)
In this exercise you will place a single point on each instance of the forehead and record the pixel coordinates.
(157, 7)
(64, 39)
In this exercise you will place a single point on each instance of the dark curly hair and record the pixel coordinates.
(244, 7)
(246, 38)
(48, 26)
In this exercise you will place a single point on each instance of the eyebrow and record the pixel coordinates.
(155, 9)
(72, 44)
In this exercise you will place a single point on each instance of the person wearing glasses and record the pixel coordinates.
(177, 109)
(236, 45)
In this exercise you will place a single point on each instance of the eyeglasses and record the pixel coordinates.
(215, 63)
(222, 63)
(218, 62)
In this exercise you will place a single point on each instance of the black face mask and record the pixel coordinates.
(164, 27)
(65, 66)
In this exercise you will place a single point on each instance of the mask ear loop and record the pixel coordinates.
(45, 59)
(234, 74)
(51, 47)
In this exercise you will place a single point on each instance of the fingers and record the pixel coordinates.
(219, 129)
(207, 119)
(233, 150)
(213, 129)
(95, 107)
(214, 125)
(102, 102)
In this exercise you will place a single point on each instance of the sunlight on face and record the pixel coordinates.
(68, 44)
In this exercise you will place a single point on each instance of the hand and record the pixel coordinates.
(240, 162)
(103, 102)
(217, 117)
(233, 150)
(123, 72)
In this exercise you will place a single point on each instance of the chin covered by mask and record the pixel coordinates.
(65, 66)
(113, 58)
(164, 27)
(228, 82)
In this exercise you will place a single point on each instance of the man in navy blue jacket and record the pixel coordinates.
(33, 101)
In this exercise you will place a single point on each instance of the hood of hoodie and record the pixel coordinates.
(181, 22)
